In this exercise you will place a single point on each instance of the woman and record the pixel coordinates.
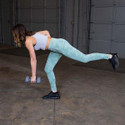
(58, 47)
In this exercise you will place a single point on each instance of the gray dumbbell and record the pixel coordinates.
(38, 80)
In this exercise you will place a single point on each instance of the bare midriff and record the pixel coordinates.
(48, 42)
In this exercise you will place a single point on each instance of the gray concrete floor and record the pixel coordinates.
(89, 96)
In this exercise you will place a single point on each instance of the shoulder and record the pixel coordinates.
(29, 42)
(29, 39)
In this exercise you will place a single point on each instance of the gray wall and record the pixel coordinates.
(74, 23)
(0, 23)
(69, 21)
(108, 26)
(5, 22)
(39, 15)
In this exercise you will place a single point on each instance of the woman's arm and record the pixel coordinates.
(45, 32)
(33, 60)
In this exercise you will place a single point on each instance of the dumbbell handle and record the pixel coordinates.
(38, 80)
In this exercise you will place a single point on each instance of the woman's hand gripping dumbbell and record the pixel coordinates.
(29, 80)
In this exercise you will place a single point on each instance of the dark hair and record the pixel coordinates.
(19, 33)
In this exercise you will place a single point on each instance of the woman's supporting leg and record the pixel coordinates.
(52, 60)
(68, 50)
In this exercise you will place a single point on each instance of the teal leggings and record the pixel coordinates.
(59, 47)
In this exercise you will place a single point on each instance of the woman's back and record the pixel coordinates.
(40, 41)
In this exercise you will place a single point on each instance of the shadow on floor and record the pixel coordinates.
(103, 65)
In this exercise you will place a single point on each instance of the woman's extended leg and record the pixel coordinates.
(62, 46)
(52, 60)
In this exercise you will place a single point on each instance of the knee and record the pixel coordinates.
(47, 69)
(85, 59)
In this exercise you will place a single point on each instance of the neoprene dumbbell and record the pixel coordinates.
(38, 80)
